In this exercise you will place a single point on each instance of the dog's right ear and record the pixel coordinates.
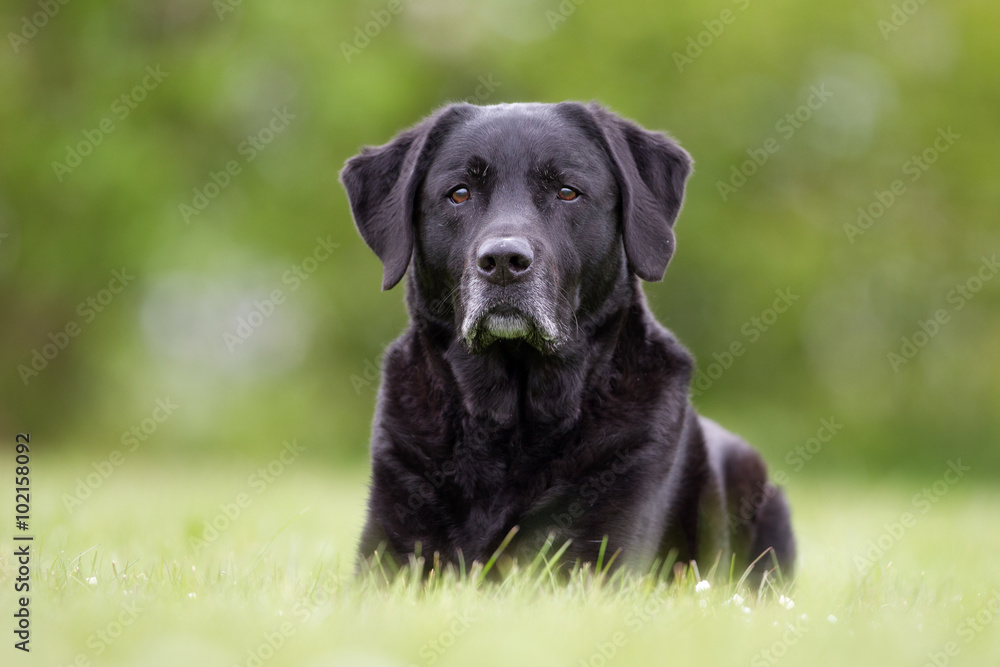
(651, 170)
(382, 185)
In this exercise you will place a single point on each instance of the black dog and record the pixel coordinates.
(533, 387)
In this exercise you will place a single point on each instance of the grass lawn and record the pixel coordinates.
(122, 580)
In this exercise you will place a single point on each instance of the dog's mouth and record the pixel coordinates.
(508, 323)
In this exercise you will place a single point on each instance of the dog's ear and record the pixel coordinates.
(651, 170)
(382, 184)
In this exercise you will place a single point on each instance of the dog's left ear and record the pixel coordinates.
(382, 183)
(651, 170)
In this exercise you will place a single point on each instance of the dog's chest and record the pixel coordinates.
(494, 483)
(529, 486)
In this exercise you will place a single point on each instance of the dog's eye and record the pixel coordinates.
(568, 194)
(459, 194)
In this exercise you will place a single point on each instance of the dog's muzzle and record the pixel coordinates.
(507, 296)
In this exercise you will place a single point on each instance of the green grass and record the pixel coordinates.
(125, 557)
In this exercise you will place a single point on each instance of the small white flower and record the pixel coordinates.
(92, 581)
(702, 586)
(787, 603)
(746, 610)
(192, 595)
(737, 599)
(831, 618)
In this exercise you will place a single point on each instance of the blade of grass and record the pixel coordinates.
(496, 554)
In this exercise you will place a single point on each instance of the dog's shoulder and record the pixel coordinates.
(650, 354)
(415, 396)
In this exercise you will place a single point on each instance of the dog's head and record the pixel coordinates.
(519, 219)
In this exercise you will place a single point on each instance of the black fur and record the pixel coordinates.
(550, 400)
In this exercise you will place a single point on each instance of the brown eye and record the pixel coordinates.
(568, 194)
(459, 194)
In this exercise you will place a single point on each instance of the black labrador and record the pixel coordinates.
(533, 387)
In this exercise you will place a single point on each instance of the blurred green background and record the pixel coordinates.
(196, 146)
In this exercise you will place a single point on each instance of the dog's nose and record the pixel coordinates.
(505, 259)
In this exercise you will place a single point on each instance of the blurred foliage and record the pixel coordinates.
(307, 370)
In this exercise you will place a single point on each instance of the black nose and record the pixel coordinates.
(505, 259)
